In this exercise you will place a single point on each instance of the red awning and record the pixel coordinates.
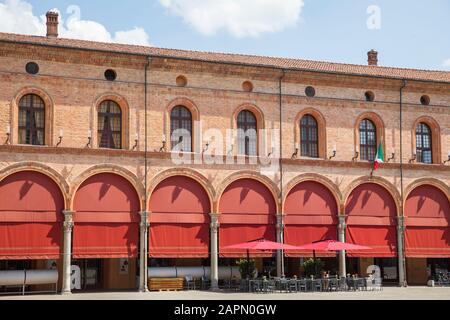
(179, 240)
(427, 242)
(105, 240)
(382, 240)
(106, 218)
(298, 235)
(30, 241)
(231, 234)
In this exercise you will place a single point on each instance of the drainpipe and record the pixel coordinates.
(144, 225)
(280, 222)
(401, 218)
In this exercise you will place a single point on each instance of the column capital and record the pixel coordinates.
(215, 224)
(144, 219)
(400, 223)
(280, 222)
(68, 215)
(342, 226)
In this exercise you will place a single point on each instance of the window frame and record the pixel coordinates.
(420, 134)
(367, 150)
(244, 126)
(306, 141)
(179, 120)
(30, 127)
(108, 115)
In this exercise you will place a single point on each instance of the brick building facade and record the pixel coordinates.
(50, 191)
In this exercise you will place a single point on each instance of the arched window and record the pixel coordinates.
(309, 137)
(32, 120)
(110, 125)
(424, 148)
(368, 140)
(181, 129)
(247, 133)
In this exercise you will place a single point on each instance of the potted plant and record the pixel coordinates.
(247, 268)
(313, 267)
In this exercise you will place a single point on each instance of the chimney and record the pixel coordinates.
(52, 24)
(373, 58)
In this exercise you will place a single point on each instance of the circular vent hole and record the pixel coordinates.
(181, 81)
(247, 86)
(425, 100)
(110, 75)
(32, 68)
(310, 91)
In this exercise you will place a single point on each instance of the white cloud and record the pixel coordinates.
(446, 63)
(240, 18)
(16, 16)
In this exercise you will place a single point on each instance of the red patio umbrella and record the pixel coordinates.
(331, 245)
(261, 244)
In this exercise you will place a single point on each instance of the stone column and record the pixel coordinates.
(342, 228)
(401, 252)
(214, 227)
(143, 272)
(67, 254)
(280, 239)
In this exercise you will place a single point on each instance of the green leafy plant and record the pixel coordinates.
(313, 267)
(247, 268)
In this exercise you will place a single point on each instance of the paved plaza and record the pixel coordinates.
(389, 293)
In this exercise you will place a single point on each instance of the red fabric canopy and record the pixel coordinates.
(427, 242)
(299, 235)
(179, 220)
(382, 240)
(371, 221)
(106, 219)
(427, 211)
(105, 240)
(31, 207)
(311, 214)
(179, 240)
(248, 212)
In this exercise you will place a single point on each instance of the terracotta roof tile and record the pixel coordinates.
(376, 71)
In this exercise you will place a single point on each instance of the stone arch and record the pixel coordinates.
(124, 106)
(330, 185)
(192, 107)
(380, 128)
(107, 168)
(321, 129)
(49, 113)
(390, 188)
(185, 172)
(43, 169)
(269, 184)
(427, 181)
(435, 137)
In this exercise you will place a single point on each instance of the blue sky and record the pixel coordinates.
(412, 33)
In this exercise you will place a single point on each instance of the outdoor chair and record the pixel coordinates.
(269, 286)
(343, 284)
(316, 285)
(302, 285)
(190, 282)
(333, 285)
(292, 286)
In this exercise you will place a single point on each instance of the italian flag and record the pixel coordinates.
(379, 158)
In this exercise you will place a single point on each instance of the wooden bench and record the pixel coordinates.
(165, 284)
